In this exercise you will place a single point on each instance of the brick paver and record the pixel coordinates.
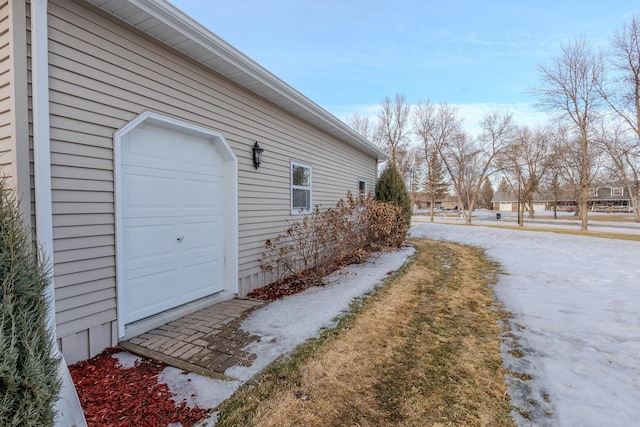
(208, 341)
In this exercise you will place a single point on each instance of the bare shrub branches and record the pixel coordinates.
(325, 240)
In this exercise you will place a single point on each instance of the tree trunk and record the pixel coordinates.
(583, 207)
(584, 182)
(432, 202)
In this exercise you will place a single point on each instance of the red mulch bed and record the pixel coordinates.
(279, 289)
(111, 395)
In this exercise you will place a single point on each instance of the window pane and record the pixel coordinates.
(362, 187)
(301, 199)
(301, 175)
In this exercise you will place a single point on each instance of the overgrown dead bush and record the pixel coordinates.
(327, 239)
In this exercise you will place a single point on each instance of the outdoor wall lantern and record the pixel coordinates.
(257, 155)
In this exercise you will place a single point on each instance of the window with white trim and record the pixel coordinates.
(300, 188)
(617, 191)
(362, 187)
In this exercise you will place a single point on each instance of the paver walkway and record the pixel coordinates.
(207, 342)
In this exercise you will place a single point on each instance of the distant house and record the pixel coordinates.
(612, 197)
(421, 201)
(507, 201)
(127, 130)
(602, 198)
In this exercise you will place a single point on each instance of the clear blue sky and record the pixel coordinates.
(348, 55)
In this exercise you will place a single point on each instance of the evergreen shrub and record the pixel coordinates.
(29, 383)
(391, 188)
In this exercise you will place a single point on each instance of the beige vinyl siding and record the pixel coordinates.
(103, 75)
(7, 140)
(14, 129)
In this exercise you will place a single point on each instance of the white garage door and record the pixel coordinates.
(172, 219)
(508, 207)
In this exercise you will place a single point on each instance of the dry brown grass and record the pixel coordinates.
(603, 217)
(423, 351)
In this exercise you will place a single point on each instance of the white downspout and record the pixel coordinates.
(69, 411)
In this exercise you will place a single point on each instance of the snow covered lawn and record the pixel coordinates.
(576, 302)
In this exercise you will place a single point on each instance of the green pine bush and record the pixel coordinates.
(29, 383)
(391, 188)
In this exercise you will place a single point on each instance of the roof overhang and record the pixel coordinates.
(169, 25)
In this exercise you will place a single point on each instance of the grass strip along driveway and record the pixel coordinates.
(422, 350)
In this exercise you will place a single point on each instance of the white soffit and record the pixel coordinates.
(168, 24)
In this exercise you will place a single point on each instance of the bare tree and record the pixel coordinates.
(526, 160)
(497, 131)
(463, 159)
(363, 125)
(393, 120)
(424, 126)
(438, 127)
(470, 161)
(570, 86)
(410, 162)
(410, 159)
(624, 152)
(554, 187)
(622, 95)
(555, 181)
(567, 157)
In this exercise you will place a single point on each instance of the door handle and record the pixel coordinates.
(179, 239)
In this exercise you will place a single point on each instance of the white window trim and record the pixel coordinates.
(366, 186)
(297, 211)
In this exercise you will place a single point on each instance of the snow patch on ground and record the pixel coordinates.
(194, 389)
(576, 302)
(126, 360)
(284, 324)
(576, 306)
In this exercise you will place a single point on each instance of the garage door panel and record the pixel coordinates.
(142, 192)
(151, 146)
(202, 157)
(202, 193)
(196, 213)
(149, 294)
(149, 172)
(202, 236)
(172, 219)
(150, 245)
(193, 273)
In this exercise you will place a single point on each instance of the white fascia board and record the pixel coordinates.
(248, 73)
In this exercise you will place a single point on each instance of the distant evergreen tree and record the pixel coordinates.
(435, 182)
(29, 383)
(504, 185)
(391, 188)
(436, 186)
(487, 194)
